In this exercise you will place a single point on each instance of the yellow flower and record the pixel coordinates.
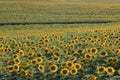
(16, 56)
(73, 71)
(16, 67)
(64, 64)
(53, 68)
(23, 72)
(1, 45)
(57, 54)
(110, 70)
(49, 63)
(39, 55)
(65, 72)
(77, 66)
(72, 59)
(66, 52)
(103, 54)
(87, 56)
(24, 64)
(118, 52)
(31, 54)
(93, 50)
(93, 77)
(41, 68)
(80, 51)
(56, 59)
(21, 53)
(17, 61)
(29, 73)
(34, 62)
(10, 69)
(69, 64)
(100, 69)
(39, 60)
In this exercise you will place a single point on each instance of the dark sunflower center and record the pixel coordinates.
(73, 71)
(64, 71)
(52, 68)
(101, 69)
(110, 70)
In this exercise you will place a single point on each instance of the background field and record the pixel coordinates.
(62, 13)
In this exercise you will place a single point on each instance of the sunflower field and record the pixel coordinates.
(60, 55)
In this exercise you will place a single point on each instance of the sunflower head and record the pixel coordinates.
(56, 59)
(77, 66)
(92, 77)
(16, 67)
(10, 69)
(65, 72)
(53, 68)
(93, 50)
(73, 71)
(39, 60)
(100, 69)
(103, 54)
(110, 70)
(41, 68)
(70, 64)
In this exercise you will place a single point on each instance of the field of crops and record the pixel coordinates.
(59, 40)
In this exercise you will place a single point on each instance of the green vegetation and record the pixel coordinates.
(59, 39)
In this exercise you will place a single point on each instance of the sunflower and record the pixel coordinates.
(66, 52)
(47, 51)
(52, 48)
(16, 56)
(21, 53)
(24, 64)
(71, 46)
(77, 66)
(16, 67)
(29, 73)
(92, 77)
(93, 50)
(118, 52)
(103, 54)
(23, 72)
(39, 60)
(110, 70)
(1, 49)
(17, 61)
(93, 58)
(1, 45)
(69, 64)
(101, 69)
(73, 71)
(57, 54)
(64, 64)
(87, 56)
(49, 63)
(89, 38)
(56, 59)
(82, 61)
(115, 60)
(34, 62)
(53, 68)
(73, 41)
(31, 54)
(65, 72)
(6, 61)
(10, 69)
(41, 68)
(79, 51)
(72, 59)
(2, 56)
